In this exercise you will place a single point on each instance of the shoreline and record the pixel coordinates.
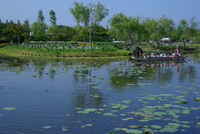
(64, 55)
(31, 54)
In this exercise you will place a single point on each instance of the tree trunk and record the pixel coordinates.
(157, 44)
(183, 45)
(90, 39)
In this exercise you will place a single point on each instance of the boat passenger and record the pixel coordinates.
(152, 55)
(144, 55)
(148, 55)
(157, 55)
(174, 54)
(177, 48)
(178, 54)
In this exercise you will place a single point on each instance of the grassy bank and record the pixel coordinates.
(22, 52)
(52, 53)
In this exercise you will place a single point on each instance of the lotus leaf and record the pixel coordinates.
(134, 131)
(186, 111)
(96, 87)
(156, 126)
(64, 129)
(47, 127)
(88, 125)
(196, 99)
(133, 126)
(109, 114)
(9, 108)
(124, 129)
(129, 118)
(185, 126)
(117, 129)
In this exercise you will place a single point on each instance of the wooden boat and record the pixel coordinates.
(180, 58)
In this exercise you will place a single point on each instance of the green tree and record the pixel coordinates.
(196, 38)
(166, 26)
(127, 29)
(194, 26)
(151, 30)
(187, 31)
(100, 33)
(96, 14)
(184, 31)
(26, 30)
(77, 12)
(52, 17)
(157, 29)
(40, 16)
(8, 32)
(89, 15)
(61, 33)
(38, 28)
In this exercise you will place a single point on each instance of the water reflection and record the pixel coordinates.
(121, 73)
(130, 72)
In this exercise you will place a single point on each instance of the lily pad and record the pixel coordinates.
(88, 125)
(130, 84)
(186, 111)
(156, 126)
(64, 129)
(47, 127)
(117, 129)
(133, 126)
(134, 131)
(124, 129)
(96, 87)
(196, 99)
(169, 129)
(88, 110)
(9, 108)
(129, 118)
(122, 114)
(185, 126)
(109, 114)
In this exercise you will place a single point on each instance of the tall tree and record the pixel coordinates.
(89, 15)
(194, 26)
(77, 11)
(38, 28)
(26, 30)
(52, 17)
(184, 31)
(96, 14)
(40, 16)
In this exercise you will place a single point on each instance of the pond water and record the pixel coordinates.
(97, 97)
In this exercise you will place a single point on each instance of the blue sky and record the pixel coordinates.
(28, 9)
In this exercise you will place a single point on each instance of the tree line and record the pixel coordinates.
(130, 30)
